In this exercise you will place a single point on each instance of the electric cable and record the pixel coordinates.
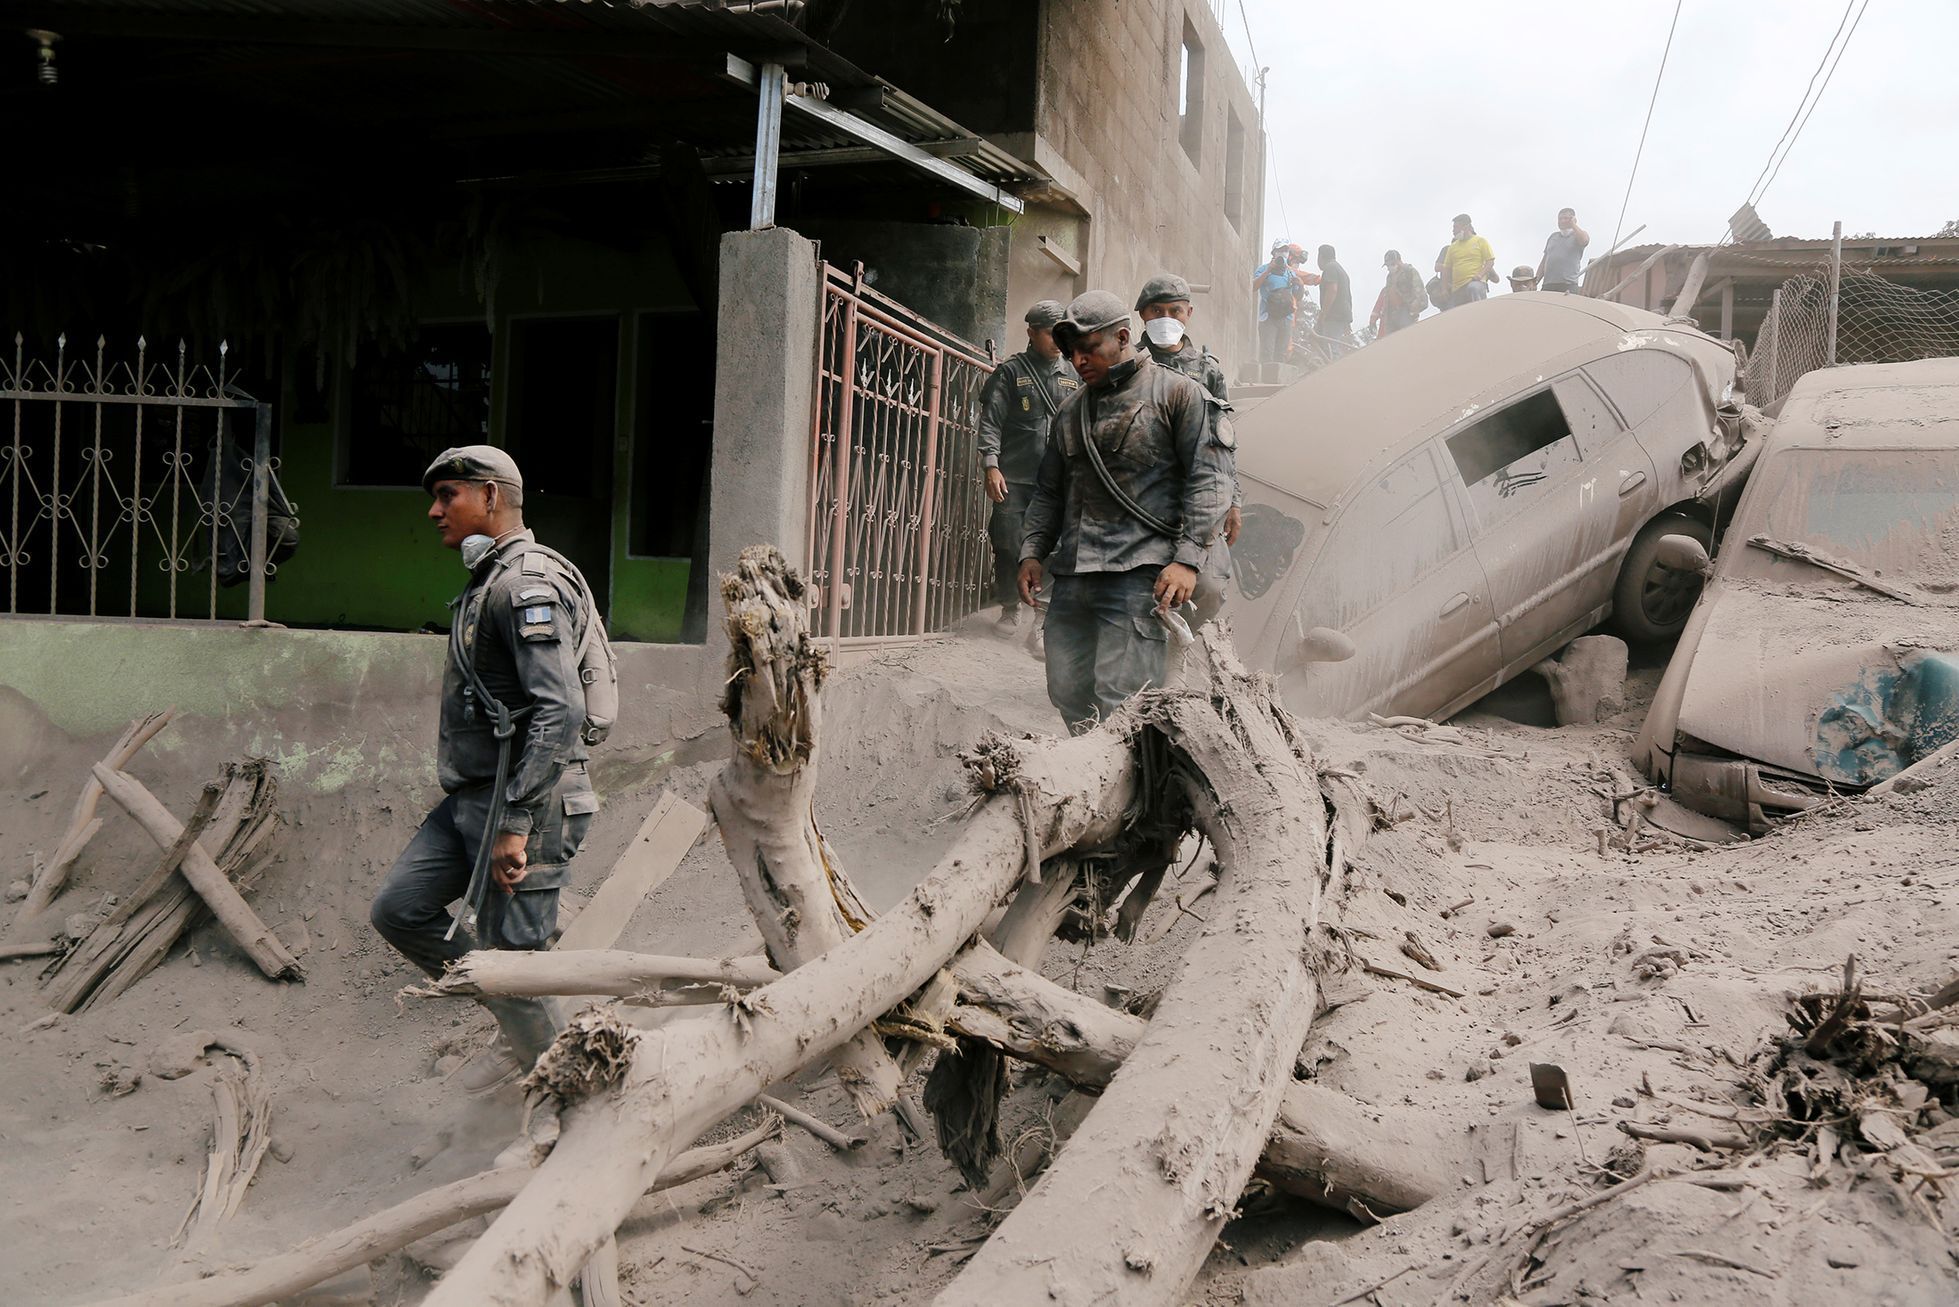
(1812, 105)
(1619, 226)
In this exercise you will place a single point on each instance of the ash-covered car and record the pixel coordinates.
(1431, 515)
(1824, 652)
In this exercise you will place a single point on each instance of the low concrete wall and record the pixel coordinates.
(331, 708)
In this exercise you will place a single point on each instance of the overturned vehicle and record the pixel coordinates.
(1824, 652)
(1432, 515)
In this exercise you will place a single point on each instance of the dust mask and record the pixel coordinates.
(476, 548)
(1164, 333)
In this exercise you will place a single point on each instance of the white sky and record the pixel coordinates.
(1386, 117)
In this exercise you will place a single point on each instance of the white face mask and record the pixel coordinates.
(476, 548)
(1164, 333)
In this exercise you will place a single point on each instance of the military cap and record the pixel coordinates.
(1090, 312)
(473, 463)
(1045, 314)
(1164, 288)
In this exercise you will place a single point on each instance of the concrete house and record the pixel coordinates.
(714, 272)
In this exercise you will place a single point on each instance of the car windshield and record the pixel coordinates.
(1892, 513)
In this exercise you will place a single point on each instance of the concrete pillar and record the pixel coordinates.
(766, 340)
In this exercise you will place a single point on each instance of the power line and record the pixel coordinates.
(1812, 105)
(1252, 47)
(1800, 103)
(1618, 226)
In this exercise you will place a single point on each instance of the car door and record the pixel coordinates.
(1543, 517)
(1626, 492)
(1398, 575)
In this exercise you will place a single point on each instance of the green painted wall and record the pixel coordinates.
(369, 558)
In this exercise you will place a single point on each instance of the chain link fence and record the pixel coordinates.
(1877, 321)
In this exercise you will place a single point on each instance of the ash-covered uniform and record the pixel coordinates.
(1020, 399)
(521, 618)
(1201, 366)
(1156, 431)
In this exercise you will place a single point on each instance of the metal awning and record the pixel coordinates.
(465, 71)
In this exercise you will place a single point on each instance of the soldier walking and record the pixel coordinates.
(1021, 398)
(1165, 308)
(510, 750)
(1132, 488)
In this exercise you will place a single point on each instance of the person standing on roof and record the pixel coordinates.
(1336, 299)
(1523, 277)
(510, 751)
(1467, 264)
(1402, 298)
(1564, 250)
(1275, 289)
(1021, 398)
(1133, 487)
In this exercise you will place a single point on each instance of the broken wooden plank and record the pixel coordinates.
(83, 824)
(664, 838)
(204, 875)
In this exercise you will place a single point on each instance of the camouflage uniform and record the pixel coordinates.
(1020, 399)
(520, 616)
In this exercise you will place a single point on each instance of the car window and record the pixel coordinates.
(1639, 381)
(1513, 457)
(1395, 532)
(1891, 512)
(1592, 424)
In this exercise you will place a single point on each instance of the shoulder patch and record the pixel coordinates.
(531, 592)
(537, 622)
(1222, 431)
(536, 565)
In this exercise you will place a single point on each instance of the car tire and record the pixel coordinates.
(1651, 603)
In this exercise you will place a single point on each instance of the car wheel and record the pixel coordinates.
(1651, 602)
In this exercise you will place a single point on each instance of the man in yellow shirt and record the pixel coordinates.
(1467, 265)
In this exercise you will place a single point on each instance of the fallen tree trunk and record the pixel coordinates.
(763, 799)
(1325, 1146)
(1129, 1210)
(204, 875)
(668, 1085)
(398, 1226)
(83, 823)
(641, 977)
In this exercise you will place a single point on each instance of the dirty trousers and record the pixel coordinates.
(1104, 642)
(1004, 529)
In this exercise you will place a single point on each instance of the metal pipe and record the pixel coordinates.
(261, 496)
(1836, 284)
(768, 145)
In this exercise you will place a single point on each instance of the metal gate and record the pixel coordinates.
(898, 509)
(130, 488)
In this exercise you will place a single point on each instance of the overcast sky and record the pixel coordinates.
(1388, 116)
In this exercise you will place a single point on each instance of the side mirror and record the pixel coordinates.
(1682, 554)
(1322, 644)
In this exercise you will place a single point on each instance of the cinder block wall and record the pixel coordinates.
(1109, 85)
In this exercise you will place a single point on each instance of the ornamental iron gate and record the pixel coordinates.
(121, 481)
(897, 542)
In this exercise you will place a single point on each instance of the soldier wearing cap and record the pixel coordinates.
(512, 710)
(1165, 308)
(1021, 398)
(1135, 481)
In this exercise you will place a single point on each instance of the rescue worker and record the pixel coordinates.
(1132, 489)
(512, 668)
(1021, 398)
(1165, 308)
